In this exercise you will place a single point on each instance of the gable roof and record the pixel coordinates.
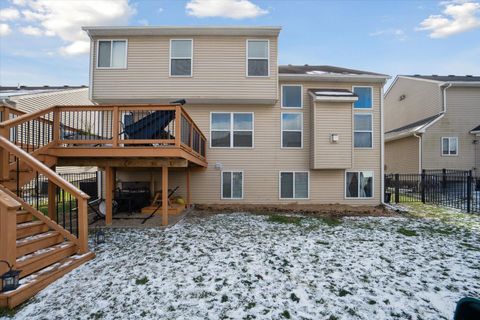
(7, 92)
(412, 128)
(449, 78)
(30, 99)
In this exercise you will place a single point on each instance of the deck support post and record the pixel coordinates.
(109, 181)
(164, 195)
(152, 184)
(52, 200)
(187, 202)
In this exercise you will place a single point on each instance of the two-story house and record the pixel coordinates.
(275, 134)
(250, 132)
(431, 122)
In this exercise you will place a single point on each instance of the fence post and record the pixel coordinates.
(397, 188)
(444, 179)
(469, 191)
(422, 186)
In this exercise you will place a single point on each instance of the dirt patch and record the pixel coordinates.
(340, 210)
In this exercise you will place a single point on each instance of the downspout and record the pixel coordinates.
(382, 150)
(444, 104)
(420, 155)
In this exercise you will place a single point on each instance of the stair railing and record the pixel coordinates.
(76, 204)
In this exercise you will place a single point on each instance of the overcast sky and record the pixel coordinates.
(42, 42)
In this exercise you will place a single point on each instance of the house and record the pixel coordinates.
(275, 134)
(21, 100)
(204, 109)
(432, 122)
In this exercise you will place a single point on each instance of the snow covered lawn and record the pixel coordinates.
(240, 266)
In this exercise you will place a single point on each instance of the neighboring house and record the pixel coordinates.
(275, 134)
(432, 122)
(28, 99)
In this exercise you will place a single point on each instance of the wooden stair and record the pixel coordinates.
(43, 256)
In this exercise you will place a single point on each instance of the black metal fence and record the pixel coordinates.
(450, 188)
(66, 207)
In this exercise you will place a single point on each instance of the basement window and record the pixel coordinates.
(232, 184)
(294, 185)
(112, 54)
(359, 184)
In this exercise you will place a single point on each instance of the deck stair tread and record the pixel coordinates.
(32, 284)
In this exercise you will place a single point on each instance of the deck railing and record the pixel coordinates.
(107, 126)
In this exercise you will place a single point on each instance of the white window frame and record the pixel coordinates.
(353, 104)
(294, 172)
(170, 60)
(232, 129)
(281, 96)
(248, 58)
(231, 182)
(111, 54)
(371, 131)
(345, 185)
(449, 141)
(281, 130)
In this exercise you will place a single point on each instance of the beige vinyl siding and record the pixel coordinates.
(463, 114)
(423, 99)
(402, 155)
(219, 71)
(332, 118)
(261, 165)
(32, 102)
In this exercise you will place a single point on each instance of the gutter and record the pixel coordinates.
(332, 77)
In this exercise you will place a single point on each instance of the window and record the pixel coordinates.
(257, 58)
(363, 131)
(292, 130)
(112, 54)
(449, 146)
(292, 96)
(364, 97)
(231, 129)
(294, 185)
(181, 58)
(232, 184)
(359, 184)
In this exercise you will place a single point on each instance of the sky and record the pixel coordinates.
(41, 41)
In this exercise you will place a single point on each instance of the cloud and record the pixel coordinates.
(399, 34)
(31, 31)
(457, 17)
(5, 29)
(64, 19)
(9, 14)
(234, 9)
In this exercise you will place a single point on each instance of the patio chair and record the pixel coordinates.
(467, 309)
(158, 200)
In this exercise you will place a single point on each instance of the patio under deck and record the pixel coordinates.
(110, 137)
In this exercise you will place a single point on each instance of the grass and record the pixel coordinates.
(407, 232)
(331, 221)
(141, 281)
(284, 219)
